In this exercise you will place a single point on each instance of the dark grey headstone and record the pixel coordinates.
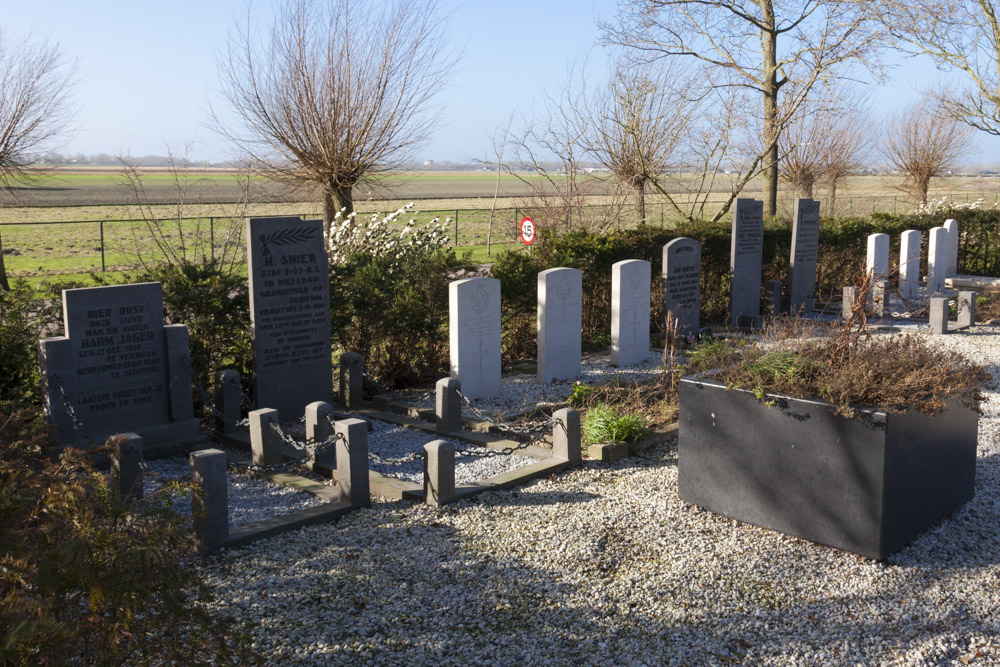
(745, 261)
(682, 283)
(802, 265)
(290, 313)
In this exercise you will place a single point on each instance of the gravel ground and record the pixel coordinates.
(604, 565)
(250, 499)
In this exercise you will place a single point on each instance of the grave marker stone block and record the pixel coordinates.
(319, 429)
(745, 261)
(352, 461)
(966, 308)
(937, 260)
(951, 260)
(439, 472)
(127, 464)
(802, 265)
(566, 436)
(909, 263)
(560, 314)
(474, 335)
(938, 319)
(289, 313)
(682, 284)
(630, 312)
(877, 262)
(117, 369)
(210, 508)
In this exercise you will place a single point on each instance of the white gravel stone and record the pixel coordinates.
(604, 565)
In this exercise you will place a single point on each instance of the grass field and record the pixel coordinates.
(90, 215)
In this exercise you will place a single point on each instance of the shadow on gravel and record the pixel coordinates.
(522, 498)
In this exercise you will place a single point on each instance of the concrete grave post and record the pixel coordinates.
(289, 313)
(210, 507)
(560, 316)
(772, 297)
(228, 400)
(938, 320)
(566, 436)
(352, 461)
(877, 261)
(937, 260)
(850, 300)
(126, 463)
(448, 404)
(474, 335)
(118, 369)
(909, 263)
(745, 263)
(265, 443)
(682, 284)
(966, 308)
(879, 291)
(630, 312)
(439, 472)
(951, 258)
(351, 380)
(802, 264)
(319, 428)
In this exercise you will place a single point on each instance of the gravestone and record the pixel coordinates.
(877, 262)
(745, 260)
(937, 260)
(289, 313)
(560, 314)
(909, 263)
(802, 265)
(117, 369)
(682, 284)
(630, 312)
(951, 268)
(474, 335)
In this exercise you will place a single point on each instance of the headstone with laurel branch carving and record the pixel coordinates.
(289, 313)
(560, 317)
(474, 335)
(682, 285)
(746, 262)
(630, 312)
(118, 369)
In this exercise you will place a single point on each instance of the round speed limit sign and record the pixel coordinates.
(527, 230)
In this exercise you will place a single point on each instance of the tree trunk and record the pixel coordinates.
(3, 270)
(336, 197)
(640, 202)
(833, 197)
(769, 49)
(921, 184)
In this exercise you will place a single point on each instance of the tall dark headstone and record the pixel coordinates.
(805, 246)
(745, 263)
(289, 313)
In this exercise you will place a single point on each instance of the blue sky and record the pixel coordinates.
(147, 69)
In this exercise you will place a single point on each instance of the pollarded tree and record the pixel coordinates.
(35, 88)
(922, 142)
(339, 92)
(775, 51)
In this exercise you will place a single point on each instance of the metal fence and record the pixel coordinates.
(81, 247)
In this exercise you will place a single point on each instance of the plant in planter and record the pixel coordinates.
(855, 441)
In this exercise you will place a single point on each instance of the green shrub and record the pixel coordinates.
(603, 424)
(88, 578)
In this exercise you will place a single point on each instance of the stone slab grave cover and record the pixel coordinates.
(630, 312)
(745, 262)
(682, 283)
(560, 315)
(474, 335)
(289, 313)
(118, 369)
(805, 247)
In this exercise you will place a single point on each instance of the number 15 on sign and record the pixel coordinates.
(527, 230)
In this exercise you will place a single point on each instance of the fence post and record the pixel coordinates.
(456, 228)
(211, 235)
(102, 247)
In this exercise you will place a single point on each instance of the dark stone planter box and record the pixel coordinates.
(869, 484)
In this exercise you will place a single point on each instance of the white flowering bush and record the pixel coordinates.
(380, 236)
(944, 205)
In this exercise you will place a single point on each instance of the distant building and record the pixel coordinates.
(428, 163)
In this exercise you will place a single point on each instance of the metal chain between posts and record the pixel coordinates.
(202, 392)
(534, 434)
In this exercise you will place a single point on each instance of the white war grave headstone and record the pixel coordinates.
(745, 262)
(560, 316)
(474, 335)
(630, 312)
(951, 269)
(937, 260)
(805, 247)
(289, 313)
(877, 260)
(682, 284)
(118, 369)
(909, 263)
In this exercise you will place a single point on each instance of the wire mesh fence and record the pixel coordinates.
(80, 247)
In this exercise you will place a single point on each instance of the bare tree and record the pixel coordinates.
(767, 49)
(339, 93)
(803, 147)
(922, 142)
(35, 88)
(958, 35)
(848, 149)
